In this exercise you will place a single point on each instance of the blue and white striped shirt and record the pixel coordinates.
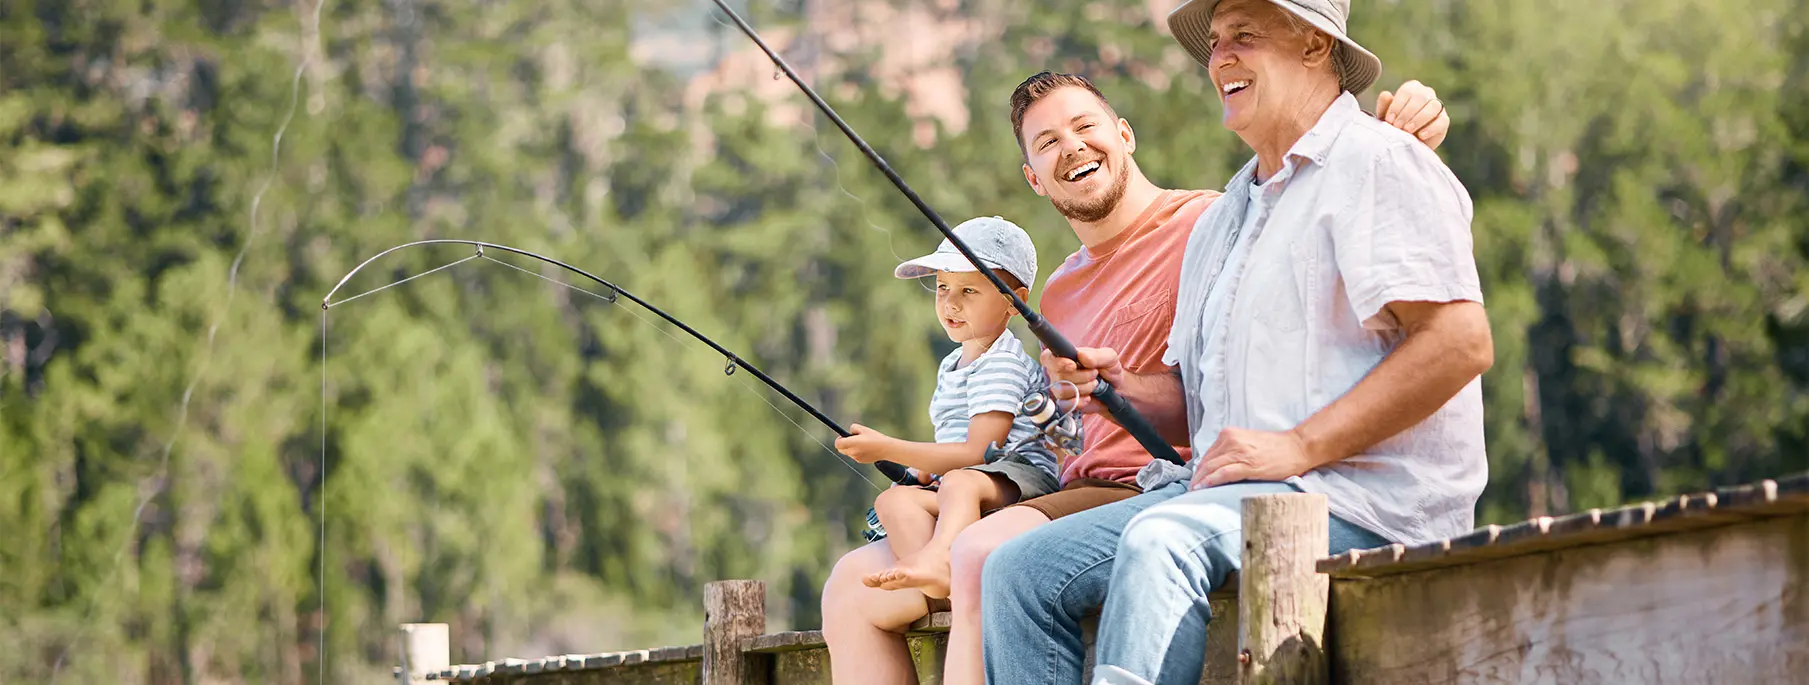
(998, 380)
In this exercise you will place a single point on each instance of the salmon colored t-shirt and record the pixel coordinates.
(1121, 294)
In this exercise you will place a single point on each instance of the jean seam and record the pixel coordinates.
(1049, 675)
(1160, 667)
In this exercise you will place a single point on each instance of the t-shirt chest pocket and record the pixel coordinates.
(1136, 329)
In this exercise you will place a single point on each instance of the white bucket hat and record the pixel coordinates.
(998, 243)
(1357, 67)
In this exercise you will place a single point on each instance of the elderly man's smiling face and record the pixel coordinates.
(1264, 64)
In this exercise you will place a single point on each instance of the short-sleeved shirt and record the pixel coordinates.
(1121, 294)
(997, 380)
(1283, 309)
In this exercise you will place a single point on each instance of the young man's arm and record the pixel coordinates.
(1157, 396)
(867, 445)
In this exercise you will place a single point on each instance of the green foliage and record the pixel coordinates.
(551, 473)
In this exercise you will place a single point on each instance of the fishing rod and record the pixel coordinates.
(895, 472)
(1108, 397)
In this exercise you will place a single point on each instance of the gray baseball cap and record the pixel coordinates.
(998, 243)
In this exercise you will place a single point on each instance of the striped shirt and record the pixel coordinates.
(998, 380)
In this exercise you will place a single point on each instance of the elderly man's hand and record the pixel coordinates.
(1095, 363)
(1415, 109)
(1241, 454)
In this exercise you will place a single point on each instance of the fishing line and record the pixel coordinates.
(232, 281)
(322, 553)
(839, 457)
(816, 140)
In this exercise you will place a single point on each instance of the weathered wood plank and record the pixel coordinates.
(784, 642)
(1765, 499)
(937, 622)
(801, 667)
(1726, 605)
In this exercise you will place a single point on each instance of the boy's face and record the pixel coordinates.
(969, 306)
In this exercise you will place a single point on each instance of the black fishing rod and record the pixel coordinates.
(895, 472)
(1114, 404)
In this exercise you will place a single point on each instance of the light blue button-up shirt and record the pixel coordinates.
(1282, 309)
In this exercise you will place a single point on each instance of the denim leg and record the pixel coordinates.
(1169, 558)
(1035, 589)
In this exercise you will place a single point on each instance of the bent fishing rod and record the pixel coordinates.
(894, 472)
(1108, 397)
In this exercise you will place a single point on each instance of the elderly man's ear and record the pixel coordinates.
(1416, 109)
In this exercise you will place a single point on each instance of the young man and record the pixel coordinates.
(1117, 290)
(1328, 337)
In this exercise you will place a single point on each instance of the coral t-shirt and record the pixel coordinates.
(1121, 294)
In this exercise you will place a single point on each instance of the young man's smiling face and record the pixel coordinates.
(1077, 153)
(970, 306)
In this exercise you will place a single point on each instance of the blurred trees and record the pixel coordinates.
(538, 468)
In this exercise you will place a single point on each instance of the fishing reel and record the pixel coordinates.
(1059, 429)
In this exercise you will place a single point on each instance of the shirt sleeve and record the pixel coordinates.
(1405, 236)
(998, 382)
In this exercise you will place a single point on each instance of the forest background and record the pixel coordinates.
(547, 474)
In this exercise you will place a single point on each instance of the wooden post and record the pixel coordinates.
(733, 611)
(426, 648)
(1281, 594)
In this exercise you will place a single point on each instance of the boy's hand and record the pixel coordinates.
(866, 445)
(1098, 362)
(1415, 109)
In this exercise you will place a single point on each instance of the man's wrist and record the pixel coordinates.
(1313, 445)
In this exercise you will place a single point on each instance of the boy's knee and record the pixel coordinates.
(965, 482)
(893, 499)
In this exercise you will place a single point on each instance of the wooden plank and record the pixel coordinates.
(801, 667)
(928, 652)
(784, 642)
(1725, 605)
(1765, 499)
(934, 623)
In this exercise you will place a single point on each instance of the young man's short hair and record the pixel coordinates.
(1040, 86)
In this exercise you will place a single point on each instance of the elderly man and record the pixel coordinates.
(1328, 338)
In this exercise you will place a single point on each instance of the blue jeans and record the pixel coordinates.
(1161, 552)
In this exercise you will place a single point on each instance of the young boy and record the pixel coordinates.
(979, 389)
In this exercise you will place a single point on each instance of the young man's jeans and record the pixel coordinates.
(1160, 562)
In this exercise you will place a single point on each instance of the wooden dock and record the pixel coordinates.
(1708, 587)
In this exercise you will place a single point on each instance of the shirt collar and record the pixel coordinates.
(1317, 143)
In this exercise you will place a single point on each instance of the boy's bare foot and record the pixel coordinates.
(925, 571)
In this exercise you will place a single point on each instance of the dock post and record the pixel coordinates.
(733, 611)
(426, 648)
(1281, 594)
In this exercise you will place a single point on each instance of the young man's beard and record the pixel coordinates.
(1089, 211)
